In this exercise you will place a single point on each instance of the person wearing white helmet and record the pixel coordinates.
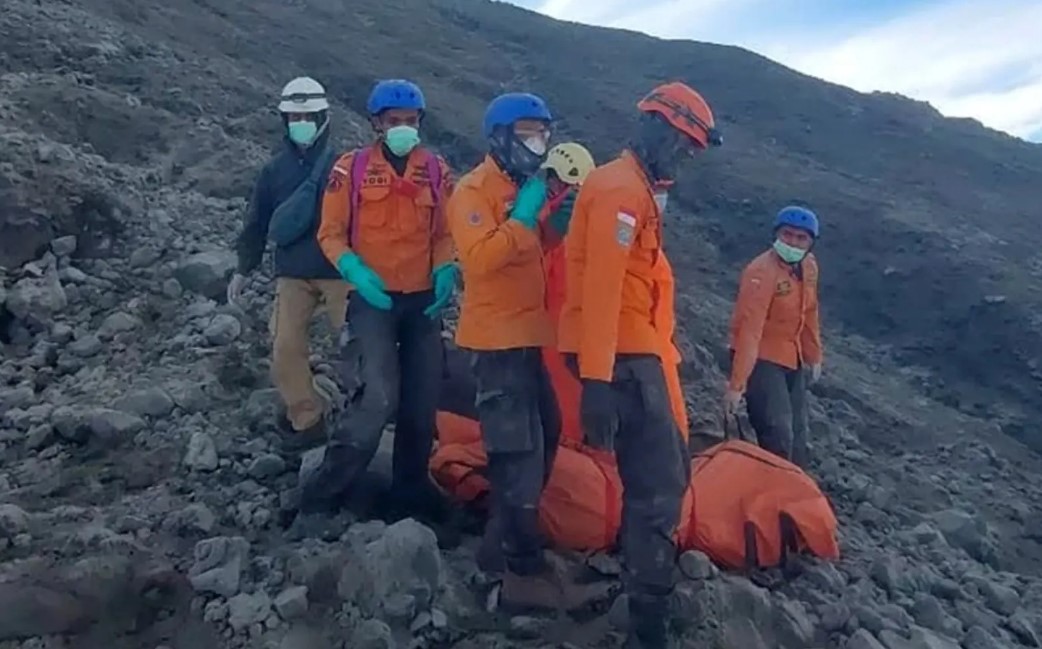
(284, 209)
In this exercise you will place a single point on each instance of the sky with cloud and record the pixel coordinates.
(969, 58)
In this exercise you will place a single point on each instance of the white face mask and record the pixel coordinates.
(661, 199)
(536, 144)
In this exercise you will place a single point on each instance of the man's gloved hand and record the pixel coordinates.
(815, 373)
(597, 413)
(365, 280)
(529, 201)
(445, 277)
(562, 216)
(235, 286)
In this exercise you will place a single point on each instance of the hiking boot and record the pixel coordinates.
(552, 589)
(540, 592)
(648, 623)
(300, 441)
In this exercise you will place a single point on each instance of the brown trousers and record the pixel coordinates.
(296, 302)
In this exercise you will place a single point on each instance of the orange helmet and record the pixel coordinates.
(685, 110)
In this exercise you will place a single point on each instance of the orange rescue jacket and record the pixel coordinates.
(613, 246)
(502, 306)
(775, 317)
(401, 234)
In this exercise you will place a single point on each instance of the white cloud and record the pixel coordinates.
(969, 58)
(967, 61)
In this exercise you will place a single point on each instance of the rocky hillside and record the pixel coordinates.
(141, 502)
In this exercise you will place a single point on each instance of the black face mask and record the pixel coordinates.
(660, 147)
(517, 160)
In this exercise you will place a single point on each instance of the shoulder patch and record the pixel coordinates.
(336, 180)
(625, 226)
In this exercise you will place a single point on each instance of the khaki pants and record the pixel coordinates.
(296, 302)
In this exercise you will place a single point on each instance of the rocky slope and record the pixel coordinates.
(140, 498)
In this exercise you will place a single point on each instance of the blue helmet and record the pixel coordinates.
(797, 217)
(506, 109)
(395, 93)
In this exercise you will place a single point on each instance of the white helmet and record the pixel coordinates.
(303, 95)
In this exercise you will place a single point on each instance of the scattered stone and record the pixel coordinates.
(978, 638)
(202, 453)
(37, 298)
(13, 521)
(86, 347)
(245, 610)
(405, 559)
(207, 273)
(64, 246)
(862, 639)
(151, 402)
(967, 532)
(372, 634)
(266, 466)
(1001, 599)
(218, 565)
(117, 323)
(223, 330)
(696, 565)
(292, 603)
(400, 607)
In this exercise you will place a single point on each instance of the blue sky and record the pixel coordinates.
(969, 58)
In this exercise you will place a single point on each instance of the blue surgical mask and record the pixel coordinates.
(303, 133)
(402, 139)
(788, 253)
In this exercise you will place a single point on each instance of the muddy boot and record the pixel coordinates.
(648, 623)
(541, 593)
(553, 589)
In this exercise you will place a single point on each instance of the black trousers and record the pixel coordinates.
(399, 360)
(521, 427)
(776, 400)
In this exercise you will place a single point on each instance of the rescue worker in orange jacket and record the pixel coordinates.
(776, 337)
(383, 227)
(610, 332)
(494, 219)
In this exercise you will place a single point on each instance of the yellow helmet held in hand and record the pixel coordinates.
(571, 161)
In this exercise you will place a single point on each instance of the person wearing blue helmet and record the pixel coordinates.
(383, 227)
(776, 337)
(494, 217)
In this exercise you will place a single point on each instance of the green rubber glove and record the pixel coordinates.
(365, 280)
(562, 216)
(445, 277)
(530, 199)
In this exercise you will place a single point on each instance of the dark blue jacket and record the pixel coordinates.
(302, 259)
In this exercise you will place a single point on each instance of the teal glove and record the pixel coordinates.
(530, 199)
(562, 216)
(365, 280)
(445, 277)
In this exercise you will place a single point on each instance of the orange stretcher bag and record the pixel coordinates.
(747, 508)
(581, 507)
(458, 464)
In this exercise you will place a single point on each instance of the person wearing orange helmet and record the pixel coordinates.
(613, 339)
